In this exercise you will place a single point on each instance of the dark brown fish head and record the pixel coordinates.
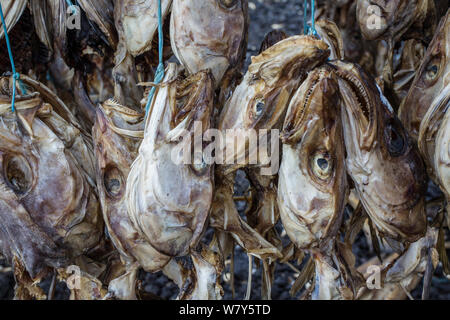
(431, 78)
(312, 185)
(381, 158)
(50, 211)
(389, 18)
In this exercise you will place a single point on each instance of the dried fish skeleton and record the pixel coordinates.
(312, 183)
(210, 34)
(383, 162)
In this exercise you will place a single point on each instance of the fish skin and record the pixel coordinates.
(382, 160)
(210, 35)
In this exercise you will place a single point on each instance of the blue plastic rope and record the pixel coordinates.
(307, 29)
(70, 4)
(159, 75)
(313, 18)
(16, 76)
(305, 14)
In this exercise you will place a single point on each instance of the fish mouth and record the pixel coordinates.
(288, 58)
(357, 94)
(192, 102)
(301, 103)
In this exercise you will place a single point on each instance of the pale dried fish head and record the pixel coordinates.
(169, 200)
(261, 99)
(383, 162)
(137, 23)
(210, 34)
(312, 185)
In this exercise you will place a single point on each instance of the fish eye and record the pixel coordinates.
(228, 3)
(259, 108)
(113, 182)
(18, 174)
(432, 70)
(395, 139)
(322, 165)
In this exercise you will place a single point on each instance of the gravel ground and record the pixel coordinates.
(265, 15)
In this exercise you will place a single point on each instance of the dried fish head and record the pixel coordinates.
(56, 212)
(431, 79)
(137, 23)
(210, 34)
(261, 100)
(169, 199)
(383, 162)
(433, 139)
(312, 185)
(380, 19)
(117, 135)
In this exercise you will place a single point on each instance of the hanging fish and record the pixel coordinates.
(50, 209)
(431, 79)
(383, 162)
(117, 135)
(312, 183)
(169, 199)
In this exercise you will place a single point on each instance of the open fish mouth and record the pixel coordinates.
(354, 86)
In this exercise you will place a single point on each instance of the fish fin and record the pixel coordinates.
(305, 275)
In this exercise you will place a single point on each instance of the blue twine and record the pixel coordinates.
(159, 75)
(307, 29)
(70, 4)
(305, 14)
(16, 76)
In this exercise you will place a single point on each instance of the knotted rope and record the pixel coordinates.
(159, 75)
(16, 75)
